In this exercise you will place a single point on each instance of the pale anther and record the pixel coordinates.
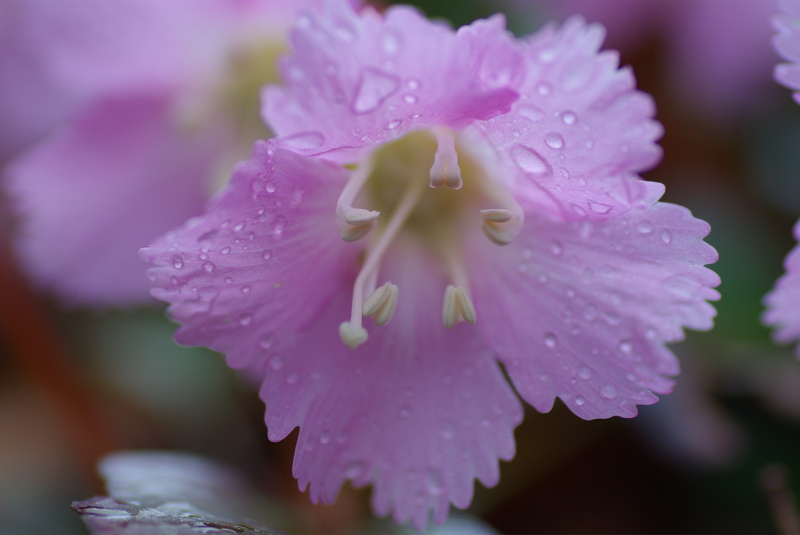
(457, 306)
(382, 304)
(496, 226)
(445, 170)
(352, 335)
(355, 223)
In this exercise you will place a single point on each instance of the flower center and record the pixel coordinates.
(426, 184)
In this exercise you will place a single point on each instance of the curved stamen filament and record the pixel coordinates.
(355, 223)
(352, 332)
(501, 225)
(445, 170)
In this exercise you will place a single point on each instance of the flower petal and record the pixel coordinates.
(418, 410)
(580, 130)
(787, 43)
(783, 302)
(91, 195)
(582, 310)
(261, 262)
(384, 75)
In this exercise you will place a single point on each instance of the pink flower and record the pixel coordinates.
(783, 302)
(132, 113)
(536, 247)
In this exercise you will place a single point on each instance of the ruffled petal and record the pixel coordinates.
(384, 75)
(92, 195)
(261, 262)
(783, 302)
(580, 130)
(787, 43)
(418, 411)
(582, 310)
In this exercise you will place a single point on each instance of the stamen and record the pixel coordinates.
(457, 306)
(355, 223)
(382, 304)
(501, 225)
(352, 333)
(445, 170)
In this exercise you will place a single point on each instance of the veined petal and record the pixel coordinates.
(261, 262)
(384, 75)
(580, 130)
(783, 302)
(582, 310)
(418, 411)
(92, 195)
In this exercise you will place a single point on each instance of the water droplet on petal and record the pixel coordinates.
(590, 312)
(246, 289)
(556, 248)
(265, 341)
(405, 411)
(585, 373)
(394, 125)
(410, 99)
(177, 261)
(554, 140)
(303, 140)
(325, 437)
(550, 340)
(292, 379)
(599, 208)
(208, 267)
(569, 117)
(225, 250)
(228, 280)
(530, 160)
(354, 469)
(412, 84)
(644, 227)
(626, 346)
(544, 89)
(448, 431)
(245, 319)
(270, 186)
(276, 362)
(374, 87)
(580, 400)
(608, 392)
(435, 485)
(390, 43)
(530, 112)
(666, 237)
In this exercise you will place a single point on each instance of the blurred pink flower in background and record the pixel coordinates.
(716, 52)
(536, 245)
(783, 303)
(131, 113)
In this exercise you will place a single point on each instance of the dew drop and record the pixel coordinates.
(626, 346)
(225, 250)
(270, 186)
(208, 267)
(292, 379)
(278, 226)
(245, 319)
(590, 312)
(409, 99)
(448, 431)
(608, 392)
(435, 485)
(405, 411)
(303, 140)
(550, 340)
(580, 400)
(569, 117)
(544, 89)
(325, 437)
(354, 469)
(530, 112)
(391, 43)
(599, 208)
(644, 227)
(530, 160)
(228, 280)
(394, 125)
(554, 140)
(267, 255)
(276, 362)
(374, 87)
(177, 261)
(556, 248)
(585, 373)
(265, 341)
(246, 289)
(650, 333)
(666, 237)
(412, 84)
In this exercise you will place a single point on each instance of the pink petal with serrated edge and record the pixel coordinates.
(783, 302)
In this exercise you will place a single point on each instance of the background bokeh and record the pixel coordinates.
(721, 454)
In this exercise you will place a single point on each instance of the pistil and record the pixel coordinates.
(445, 170)
(352, 332)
